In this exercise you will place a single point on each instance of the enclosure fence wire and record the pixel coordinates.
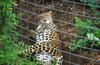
(29, 9)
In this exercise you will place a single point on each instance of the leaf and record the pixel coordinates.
(92, 37)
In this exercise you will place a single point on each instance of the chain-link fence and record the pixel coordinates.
(78, 23)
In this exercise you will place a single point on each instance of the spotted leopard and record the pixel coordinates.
(47, 46)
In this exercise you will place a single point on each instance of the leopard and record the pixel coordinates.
(48, 45)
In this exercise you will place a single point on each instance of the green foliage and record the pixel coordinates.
(94, 4)
(8, 36)
(83, 26)
(9, 47)
(97, 33)
(8, 21)
(77, 44)
(89, 31)
(8, 54)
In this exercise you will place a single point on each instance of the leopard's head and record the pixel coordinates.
(45, 17)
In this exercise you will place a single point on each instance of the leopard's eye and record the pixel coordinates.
(44, 20)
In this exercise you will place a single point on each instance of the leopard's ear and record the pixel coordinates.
(38, 16)
(50, 12)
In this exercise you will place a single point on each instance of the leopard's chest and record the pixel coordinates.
(46, 36)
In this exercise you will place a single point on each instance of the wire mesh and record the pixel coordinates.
(64, 13)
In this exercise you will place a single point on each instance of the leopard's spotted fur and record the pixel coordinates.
(47, 39)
